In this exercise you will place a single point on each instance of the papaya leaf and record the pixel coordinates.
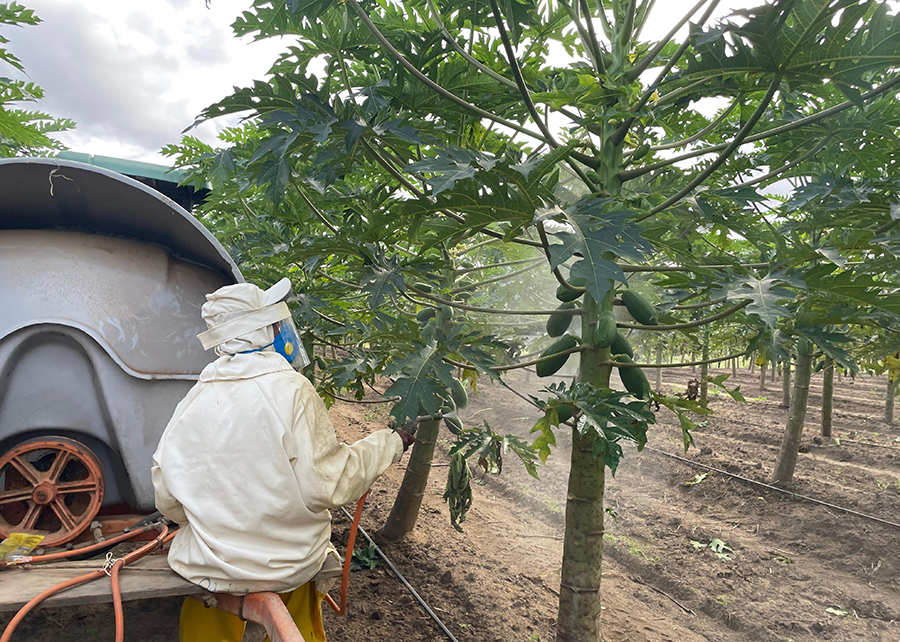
(830, 343)
(382, 284)
(597, 235)
(422, 377)
(766, 294)
(547, 438)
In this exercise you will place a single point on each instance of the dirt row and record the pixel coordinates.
(866, 391)
(789, 561)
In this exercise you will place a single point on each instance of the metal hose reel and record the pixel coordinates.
(51, 486)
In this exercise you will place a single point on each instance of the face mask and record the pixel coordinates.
(287, 344)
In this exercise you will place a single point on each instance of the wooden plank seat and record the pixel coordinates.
(148, 577)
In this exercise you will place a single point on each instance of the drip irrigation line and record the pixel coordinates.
(837, 439)
(403, 581)
(775, 488)
(864, 443)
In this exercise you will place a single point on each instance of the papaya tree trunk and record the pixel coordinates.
(734, 368)
(578, 619)
(659, 356)
(889, 401)
(762, 379)
(786, 383)
(693, 358)
(704, 367)
(409, 498)
(827, 396)
(793, 430)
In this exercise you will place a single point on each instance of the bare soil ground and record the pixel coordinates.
(789, 560)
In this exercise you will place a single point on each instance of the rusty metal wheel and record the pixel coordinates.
(52, 486)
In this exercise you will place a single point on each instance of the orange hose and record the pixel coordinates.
(348, 557)
(117, 601)
(50, 557)
(75, 581)
(81, 579)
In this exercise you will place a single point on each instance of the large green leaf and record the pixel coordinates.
(421, 377)
(806, 41)
(832, 343)
(862, 289)
(607, 417)
(599, 232)
(766, 294)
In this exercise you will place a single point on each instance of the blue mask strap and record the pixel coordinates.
(257, 349)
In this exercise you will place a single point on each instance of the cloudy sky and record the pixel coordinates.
(133, 75)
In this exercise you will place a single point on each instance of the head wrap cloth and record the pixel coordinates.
(240, 317)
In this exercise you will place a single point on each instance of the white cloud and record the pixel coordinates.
(134, 75)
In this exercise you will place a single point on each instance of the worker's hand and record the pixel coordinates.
(408, 440)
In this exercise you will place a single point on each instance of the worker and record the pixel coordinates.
(250, 465)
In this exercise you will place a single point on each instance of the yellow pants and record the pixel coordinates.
(202, 624)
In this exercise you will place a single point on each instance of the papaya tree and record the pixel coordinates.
(347, 305)
(838, 228)
(437, 126)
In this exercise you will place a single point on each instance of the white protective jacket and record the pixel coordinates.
(249, 466)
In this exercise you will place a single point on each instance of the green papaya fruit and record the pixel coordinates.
(820, 365)
(620, 345)
(552, 366)
(640, 152)
(634, 379)
(606, 329)
(458, 391)
(643, 312)
(454, 423)
(564, 413)
(424, 314)
(557, 324)
(446, 314)
(565, 295)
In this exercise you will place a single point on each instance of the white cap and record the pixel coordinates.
(278, 292)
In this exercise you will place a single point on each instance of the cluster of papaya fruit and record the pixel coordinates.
(606, 335)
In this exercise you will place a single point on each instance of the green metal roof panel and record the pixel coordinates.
(127, 167)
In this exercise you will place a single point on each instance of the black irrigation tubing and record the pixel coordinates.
(775, 488)
(402, 579)
(839, 439)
